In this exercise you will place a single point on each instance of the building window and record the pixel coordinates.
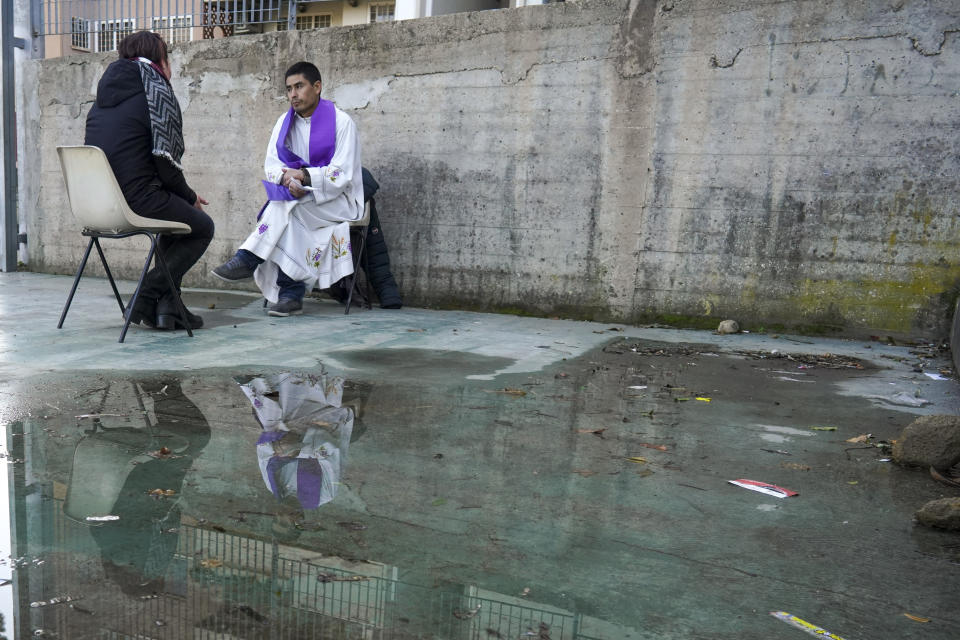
(381, 12)
(313, 22)
(111, 32)
(79, 33)
(174, 29)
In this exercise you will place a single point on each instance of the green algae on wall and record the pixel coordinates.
(881, 304)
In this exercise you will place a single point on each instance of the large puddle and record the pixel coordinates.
(400, 499)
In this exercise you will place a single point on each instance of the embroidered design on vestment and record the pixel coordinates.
(340, 246)
(314, 255)
(262, 229)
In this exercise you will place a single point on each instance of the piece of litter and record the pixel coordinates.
(56, 600)
(780, 451)
(764, 487)
(637, 459)
(884, 460)
(861, 439)
(704, 399)
(823, 428)
(466, 615)
(803, 625)
(916, 618)
(658, 447)
(935, 376)
(102, 518)
(638, 386)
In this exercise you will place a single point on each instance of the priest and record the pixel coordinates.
(314, 188)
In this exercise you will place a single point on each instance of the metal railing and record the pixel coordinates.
(99, 25)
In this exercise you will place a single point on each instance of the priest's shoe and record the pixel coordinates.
(285, 307)
(234, 270)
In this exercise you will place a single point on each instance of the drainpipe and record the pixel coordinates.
(10, 235)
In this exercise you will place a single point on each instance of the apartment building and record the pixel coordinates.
(70, 27)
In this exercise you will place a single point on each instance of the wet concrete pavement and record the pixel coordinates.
(459, 475)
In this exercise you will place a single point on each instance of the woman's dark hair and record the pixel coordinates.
(143, 44)
(306, 69)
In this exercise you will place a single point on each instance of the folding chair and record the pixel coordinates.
(98, 204)
(359, 259)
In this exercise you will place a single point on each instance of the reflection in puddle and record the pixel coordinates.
(584, 502)
(305, 436)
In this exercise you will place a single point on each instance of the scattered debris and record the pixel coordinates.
(934, 376)
(211, 563)
(525, 592)
(779, 451)
(466, 615)
(795, 465)
(861, 439)
(509, 391)
(952, 479)
(110, 518)
(902, 399)
(929, 441)
(916, 618)
(803, 625)
(158, 493)
(56, 600)
(80, 609)
(332, 577)
(728, 326)
(658, 447)
(943, 513)
(97, 416)
(637, 459)
(596, 432)
(764, 487)
(823, 428)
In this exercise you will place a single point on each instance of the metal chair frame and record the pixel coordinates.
(154, 251)
(360, 260)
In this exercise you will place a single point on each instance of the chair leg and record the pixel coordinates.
(356, 268)
(106, 268)
(136, 292)
(76, 281)
(161, 261)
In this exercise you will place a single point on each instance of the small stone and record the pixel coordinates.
(942, 514)
(728, 326)
(929, 441)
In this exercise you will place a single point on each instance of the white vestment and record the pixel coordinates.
(309, 238)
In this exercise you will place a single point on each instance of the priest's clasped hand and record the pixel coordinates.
(294, 180)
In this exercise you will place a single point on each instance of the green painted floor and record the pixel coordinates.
(478, 476)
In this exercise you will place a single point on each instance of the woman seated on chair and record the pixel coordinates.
(136, 121)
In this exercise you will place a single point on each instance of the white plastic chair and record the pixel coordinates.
(98, 204)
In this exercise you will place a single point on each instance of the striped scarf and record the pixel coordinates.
(166, 122)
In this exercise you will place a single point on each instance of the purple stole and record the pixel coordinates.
(323, 143)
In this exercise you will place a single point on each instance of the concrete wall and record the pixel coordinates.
(777, 162)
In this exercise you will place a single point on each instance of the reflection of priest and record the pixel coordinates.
(306, 433)
(314, 187)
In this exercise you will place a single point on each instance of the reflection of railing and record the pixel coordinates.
(223, 583)
(98, 25)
